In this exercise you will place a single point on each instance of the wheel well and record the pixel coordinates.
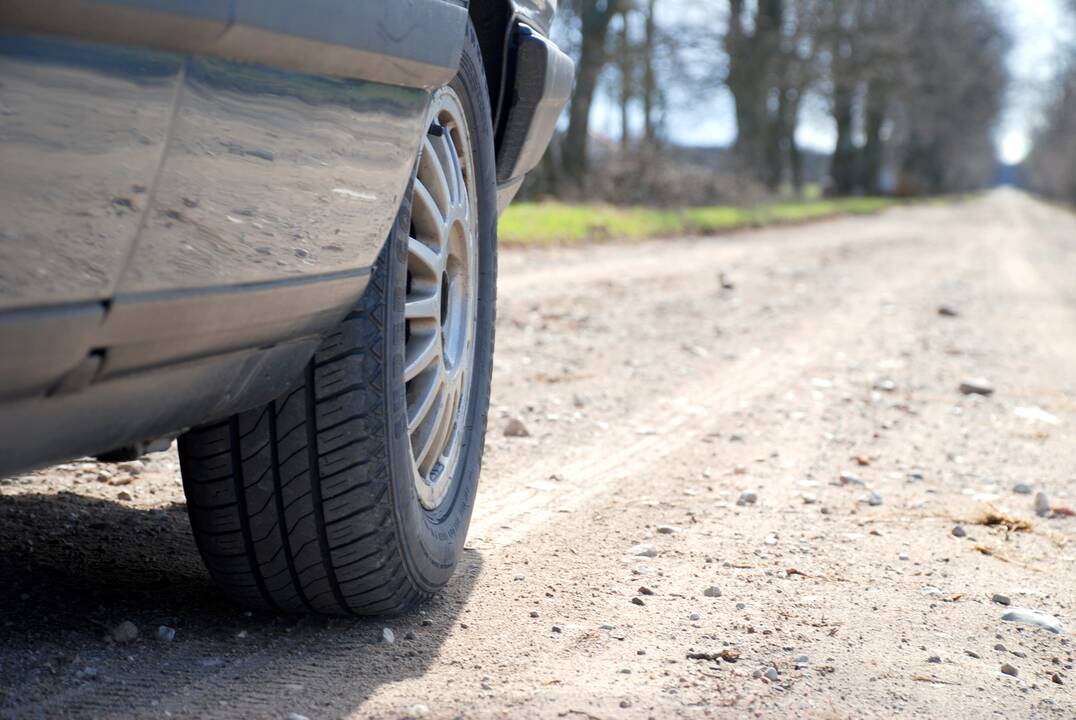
(491, 19)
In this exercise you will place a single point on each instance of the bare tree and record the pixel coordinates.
(594, 18)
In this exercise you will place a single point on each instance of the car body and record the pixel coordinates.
(194, 192)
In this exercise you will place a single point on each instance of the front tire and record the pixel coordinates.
(320, 500)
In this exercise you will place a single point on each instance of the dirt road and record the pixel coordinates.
(748, 458)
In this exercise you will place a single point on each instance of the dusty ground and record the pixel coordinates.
(655, 397)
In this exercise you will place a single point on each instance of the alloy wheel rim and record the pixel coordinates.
(441, 305)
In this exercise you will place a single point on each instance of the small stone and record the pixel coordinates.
(1042, 505)
(1001, 599)
(739, 470)
(516, 428)
(1009, 669)
(1022, 489)
(874, 499)
(534, 613)
(693, 617)
(948, 311)
(579, 400)
(934, 659)
(1034, 617)
(124, 496)
(976, 386)
(1056, 678)
(297, 716)
(712, 591)
(625, 704)
(637, 601)
(1000, 648)
(644, 590)
(771, 674)
(800, 662)
(959, 531)
(847, 478)
(730, 654)
(166, 634)
(667, 529)
(387, 635)
(972, 654)
(643, 550)
(747, 498)
(242, 634)
(557, 629)
(902, 556)
(125, 632)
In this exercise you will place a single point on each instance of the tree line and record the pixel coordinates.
(1051, 165)
(912, 88)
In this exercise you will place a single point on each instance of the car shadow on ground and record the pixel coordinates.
(72, 568)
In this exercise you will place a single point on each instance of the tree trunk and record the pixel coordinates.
(592, 57)
(649, 85)
(625, 83)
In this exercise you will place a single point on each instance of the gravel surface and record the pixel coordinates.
(768, 436)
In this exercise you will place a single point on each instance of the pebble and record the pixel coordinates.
(693, 617)
(667, 529)
(972, 654)
(1022, 489)
(1034, 617)
(1001, 599)
(948, 311)
(959, 531)
(1056, 677)
(516, 428)
(712, 591)
(1042, 505)
(1009, 669)
(387, 635)
(557, 629)
(771, 674)
(166, 634)
(800, 662)
(847, 478)
(747, 498)
(297, 716)
(637, 601)
(534, 613)
(976, 386)
(644, 590)
(125, 632)
(124, 496)
(934, 659)
(643, 550)
(874, 499)
(902, 556)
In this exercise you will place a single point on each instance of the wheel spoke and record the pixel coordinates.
(438, 183)
(433, 439)
(423, 307)
(422, 252)
(433, 391)
(426, 215)
(420, 353)
(452, 162)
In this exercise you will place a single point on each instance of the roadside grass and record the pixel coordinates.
(554, 223)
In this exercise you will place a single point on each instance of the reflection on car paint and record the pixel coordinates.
(125, 171)
(82, 129)
(271, 174)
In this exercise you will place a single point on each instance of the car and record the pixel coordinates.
(268, 229)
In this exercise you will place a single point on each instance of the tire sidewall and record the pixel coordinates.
(431, 541)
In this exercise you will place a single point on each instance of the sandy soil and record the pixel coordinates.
(665, 386)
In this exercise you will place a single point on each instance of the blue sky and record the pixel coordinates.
(1039, 29)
